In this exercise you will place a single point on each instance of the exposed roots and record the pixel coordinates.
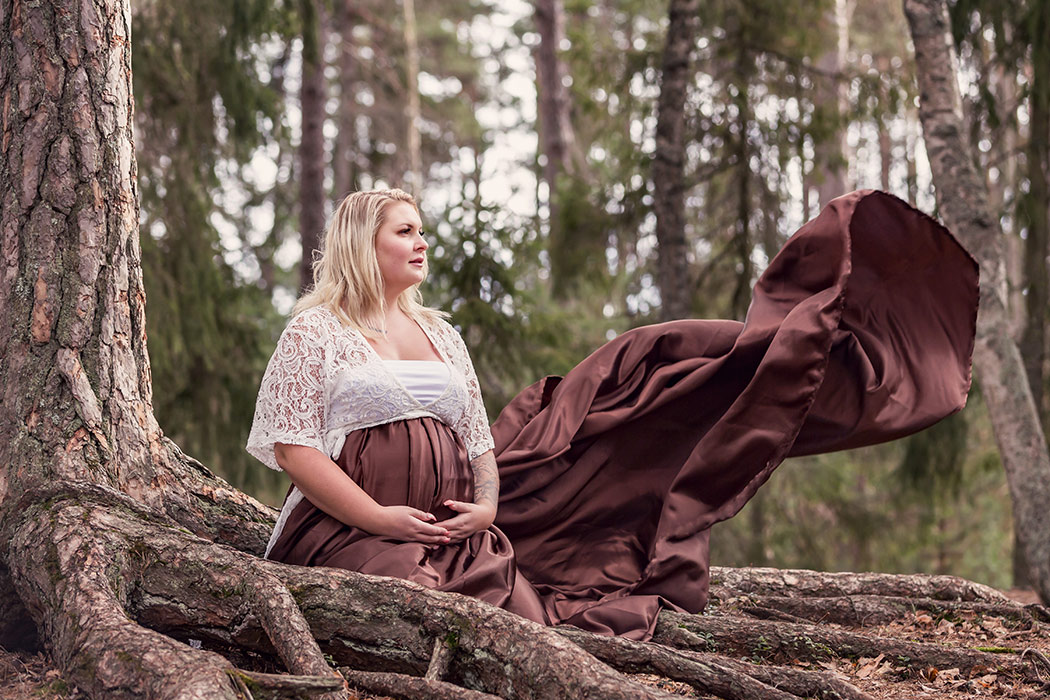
(801, 583)
(868, 610)
(702, 674)
(129, 604)
(405, 687)
(772, 641)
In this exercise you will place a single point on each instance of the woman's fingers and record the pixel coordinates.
(424, 516)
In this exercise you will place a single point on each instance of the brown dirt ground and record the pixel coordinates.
(25, 676)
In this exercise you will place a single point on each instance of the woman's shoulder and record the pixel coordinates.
(317, 322)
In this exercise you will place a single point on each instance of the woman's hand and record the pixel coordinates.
(409, 524)
(470, 518)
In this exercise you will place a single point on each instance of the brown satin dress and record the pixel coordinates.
(860, 331)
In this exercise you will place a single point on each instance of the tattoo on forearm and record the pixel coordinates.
(486, 479)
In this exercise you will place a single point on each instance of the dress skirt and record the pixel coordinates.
(861, 330)
(419, 463)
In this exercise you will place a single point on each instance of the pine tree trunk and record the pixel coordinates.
(1035, 205)
(668, 169)
(963, 200)
(557, 140)
(77, 401)
(556, 132)
(313, 94)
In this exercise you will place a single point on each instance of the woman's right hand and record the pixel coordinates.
(409, 524)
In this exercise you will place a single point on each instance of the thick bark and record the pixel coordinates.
(123, 580)
(668, 170)
(1035, 206)
(874, 609)
(784, 641)
(77, 398)
(726, 582)
(312, 99)
(711, 674)
(963, 200)
(404, 687)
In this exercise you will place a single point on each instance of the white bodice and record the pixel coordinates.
(325, 380)
(426, 380)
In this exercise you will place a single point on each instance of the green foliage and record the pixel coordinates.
(881, 509)
(201, 103)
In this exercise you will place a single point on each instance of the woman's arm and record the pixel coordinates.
(479, 515)
(330, 489)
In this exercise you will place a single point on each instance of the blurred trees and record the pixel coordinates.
(539, 143)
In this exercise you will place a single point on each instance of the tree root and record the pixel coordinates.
(866, 610)
(797, 681)
(122, 584)
(439, 660)
(403, 687)
(763, 640)
(802, 583)
(271, 686)
(355, 616)
(706, 674)
(121, 561)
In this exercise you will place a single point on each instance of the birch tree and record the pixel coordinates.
(962, 197)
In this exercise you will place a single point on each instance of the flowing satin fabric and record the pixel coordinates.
(860, 331)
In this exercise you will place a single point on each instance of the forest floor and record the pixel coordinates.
(28, 676)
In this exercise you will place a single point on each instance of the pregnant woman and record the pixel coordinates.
(860, 331)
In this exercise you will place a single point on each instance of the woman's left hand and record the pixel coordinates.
(469, 518)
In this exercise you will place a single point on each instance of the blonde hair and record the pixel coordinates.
(347, 280)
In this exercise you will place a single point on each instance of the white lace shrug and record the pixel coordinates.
(324, 380)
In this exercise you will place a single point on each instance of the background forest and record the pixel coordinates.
(535, 137)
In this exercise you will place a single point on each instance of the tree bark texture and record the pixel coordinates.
(668, 171)
(77, 397)
(963, 201)
(312, 100)
(1035, 205)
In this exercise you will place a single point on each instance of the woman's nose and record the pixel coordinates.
(421, 243)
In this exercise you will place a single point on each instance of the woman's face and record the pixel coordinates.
(400, 248)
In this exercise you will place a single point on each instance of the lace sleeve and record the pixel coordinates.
(473, 427)
(291, 405)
